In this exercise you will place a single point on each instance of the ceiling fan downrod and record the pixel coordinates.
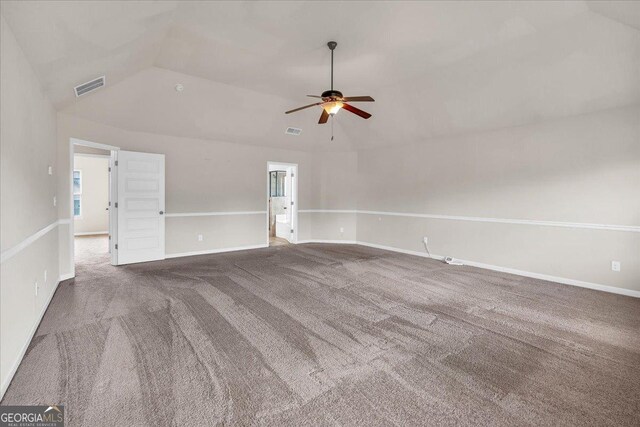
(332, 45)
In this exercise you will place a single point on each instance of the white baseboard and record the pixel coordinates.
(66, 277)
(91, 233)
(14, 368)
(556, 279)
(216, 251)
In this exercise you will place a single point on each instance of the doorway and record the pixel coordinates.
(91, 218)
(91, 207)
(282, 203)
(135, 206)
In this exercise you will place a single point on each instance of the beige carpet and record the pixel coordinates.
(330, 335)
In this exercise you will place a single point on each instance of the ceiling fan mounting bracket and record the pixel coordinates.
(332, 45)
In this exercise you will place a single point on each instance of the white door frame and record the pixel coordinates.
(113, 223)
(294, 198)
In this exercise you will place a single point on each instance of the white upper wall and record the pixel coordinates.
(435, 68)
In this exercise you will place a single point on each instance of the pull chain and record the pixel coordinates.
(332, 126)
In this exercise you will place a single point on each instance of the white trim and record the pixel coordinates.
(562, 280)
(76, 141)
(23, 350)
(13, 251)
(336, 211)
(583, 225)
(92, 233)
(187, 214)
(216, 251)
(64, 277)
(611, 227)
(102, 156)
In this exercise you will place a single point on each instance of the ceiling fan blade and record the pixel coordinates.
(302, 108)
(323, 117)
(359, 99)
(314, 96)
(356, 111)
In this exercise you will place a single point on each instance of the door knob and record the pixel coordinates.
(161, 212)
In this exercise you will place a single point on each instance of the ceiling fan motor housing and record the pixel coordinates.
(332, 94)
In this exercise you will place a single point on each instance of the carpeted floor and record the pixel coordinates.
(321, 334)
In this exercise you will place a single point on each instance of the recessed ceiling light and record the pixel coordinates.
(179, 87)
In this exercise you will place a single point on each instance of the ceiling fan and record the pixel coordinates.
(333, 100)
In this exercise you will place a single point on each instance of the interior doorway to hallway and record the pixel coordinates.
(282, 203)
(90, 198)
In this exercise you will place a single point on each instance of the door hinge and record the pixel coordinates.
(109, 236)
(109, 168)
(116, 246)
(293, 175)
(292, 230)
(116, 204)
(116, 163)
(292, 203)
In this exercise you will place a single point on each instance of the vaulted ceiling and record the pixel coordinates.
(434, 68)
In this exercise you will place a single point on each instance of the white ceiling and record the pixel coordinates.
(435, 68)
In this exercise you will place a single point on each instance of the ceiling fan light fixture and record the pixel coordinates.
(333, 101)
(333, 107)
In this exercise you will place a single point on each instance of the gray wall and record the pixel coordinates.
(576, 170)
(27, 148)
(216, 176)
(582, 169)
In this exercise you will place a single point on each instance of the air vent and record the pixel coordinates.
(89, 86)
(293, 131)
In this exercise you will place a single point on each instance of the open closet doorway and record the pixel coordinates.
(282, 203)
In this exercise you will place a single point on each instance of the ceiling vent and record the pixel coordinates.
(293, 131)
(89, 86)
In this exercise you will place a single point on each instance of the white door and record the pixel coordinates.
(140, 207)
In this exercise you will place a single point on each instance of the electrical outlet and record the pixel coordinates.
(615, 265)
(36, 284)
(341, 230)
(200, 238)
(45, 276)
(55, 201)
(50, 170)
